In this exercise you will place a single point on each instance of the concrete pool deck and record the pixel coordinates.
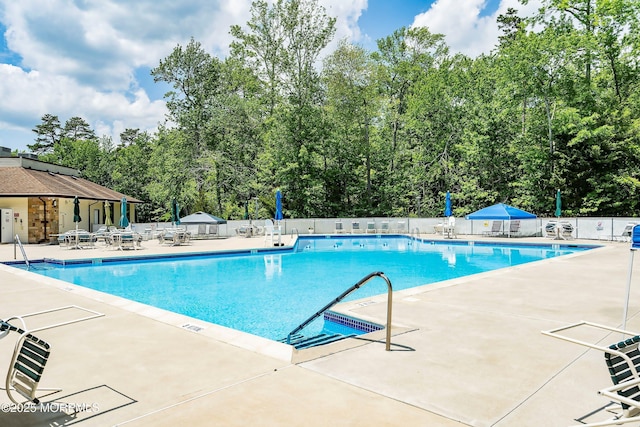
(466, 352)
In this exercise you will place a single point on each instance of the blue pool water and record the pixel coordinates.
(269, 293)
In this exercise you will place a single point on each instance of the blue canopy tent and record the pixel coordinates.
(201, 218)
(500, 212)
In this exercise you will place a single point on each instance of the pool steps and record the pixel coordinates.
(300, 341)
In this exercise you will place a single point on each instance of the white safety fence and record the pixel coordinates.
(583, 227)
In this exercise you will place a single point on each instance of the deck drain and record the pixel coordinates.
(190, 327)
(365, 303)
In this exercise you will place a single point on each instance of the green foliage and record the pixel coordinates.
(555, 105)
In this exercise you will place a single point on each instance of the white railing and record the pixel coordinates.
(17, 242)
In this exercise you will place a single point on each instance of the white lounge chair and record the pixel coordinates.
(27, 364)
(623, 364)
(371, 227)
(270, 231)
(559, 230)
(339, 227)
(30, 354)
(625, 236)
(384, 227)
(355, 227)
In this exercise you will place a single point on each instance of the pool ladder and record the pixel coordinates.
(16, 241)
(342, 296)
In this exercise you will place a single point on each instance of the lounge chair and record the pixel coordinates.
(339, 227)
(371, 227)
(625, 236)
(559, 230)
(27, 364)
(270, 231)
(623, 364)
(355, 227)
(127, 240)
(514, 227)
(30, 354)
(174, 237)
(401, 227)
(496, 229)
(384, 227)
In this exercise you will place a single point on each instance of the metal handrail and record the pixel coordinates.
(343, 296)
(16, 241)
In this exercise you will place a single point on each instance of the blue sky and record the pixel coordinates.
(92, 59)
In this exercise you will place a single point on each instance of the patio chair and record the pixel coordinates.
(355, 227)
(623, 363)
(514, 227)
(339, 227)
(270, 231)
(625, 236)
(384, 227)
(27, 364)
(401, 227)
(496, 229)
(127, 240)
(371, 227)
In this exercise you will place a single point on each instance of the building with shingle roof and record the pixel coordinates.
(36, 199)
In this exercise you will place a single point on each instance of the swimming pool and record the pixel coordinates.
(270, 292)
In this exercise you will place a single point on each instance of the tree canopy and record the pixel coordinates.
(349, 132)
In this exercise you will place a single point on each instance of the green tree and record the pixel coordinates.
(49, 133)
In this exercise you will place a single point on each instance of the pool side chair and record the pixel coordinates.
(496, 229)
(514, 227)
(270, 231)
(623, 363)
(27, 364)
(355, 227)
(401, 227)
(625, 236)
(384, 227)
(371, 227)
(339, 227)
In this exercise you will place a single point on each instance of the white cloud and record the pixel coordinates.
(79, 58)
(465, 30)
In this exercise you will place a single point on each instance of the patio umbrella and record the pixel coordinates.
(107, 213)
(175, 212)
(278, 216)
(447, 205)
(76, 211)
(76, 217)
(124, 221)
(558, 204)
